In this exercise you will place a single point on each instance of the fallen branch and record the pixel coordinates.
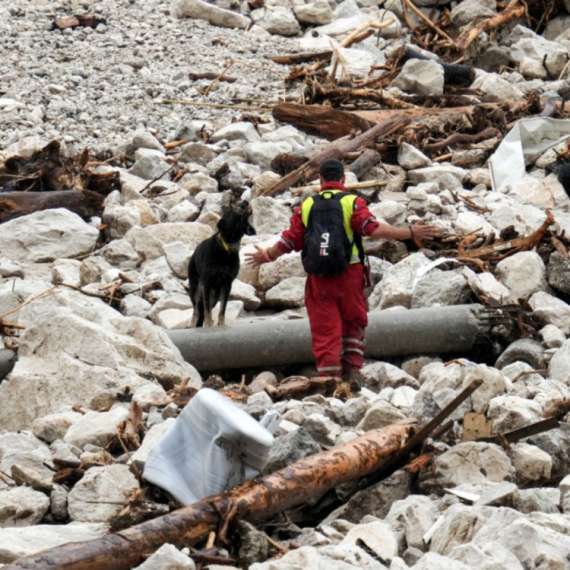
(456, 138)
(433, 26)
(337, 150)
(517, 244)
(299, 387)
(467, 37)
(256, 500)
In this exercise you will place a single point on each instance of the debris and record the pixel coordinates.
(87, 21)
(251, 501)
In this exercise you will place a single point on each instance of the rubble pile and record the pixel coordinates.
(126, 128)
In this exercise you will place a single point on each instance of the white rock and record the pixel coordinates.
(178, 255)
(531, 463)
(277, 20)
(512, 412)
(317, 13)
(377, 536)
(552, 336)
(409, 157)
(269, 216)
(20, 542)
(470, 11)
(246, 293)
(112, 483)
(396, 285)
(54, 426)
(150, 395)
(490, 556)
(211, 13)
(289, 293)
(470, 462)
(22, 506)
(486, 286)
(523, 274)
(47, 235)
(96, 428)
(551, 310)
(168, 557)
(412, 517)
(423, 77)
(270, 274)
(495, 88)
(197, 182)
(493, 385)
(355, 62)
(380, 414)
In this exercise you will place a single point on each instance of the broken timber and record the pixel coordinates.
(83, 203)
(304, 481)
(338, 149)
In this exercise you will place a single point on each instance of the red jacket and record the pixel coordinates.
(362, 222)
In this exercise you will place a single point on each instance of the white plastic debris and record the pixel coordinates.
(212, 446)
(523, 144)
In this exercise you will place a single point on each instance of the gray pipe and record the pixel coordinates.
(7, 361)
(435, 330)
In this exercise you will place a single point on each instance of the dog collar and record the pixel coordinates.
(227, 246)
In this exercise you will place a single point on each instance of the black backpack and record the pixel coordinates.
(327, 250)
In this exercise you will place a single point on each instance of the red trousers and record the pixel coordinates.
(337, 315)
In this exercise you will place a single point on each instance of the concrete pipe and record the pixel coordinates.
(7, 361)
(437, 330)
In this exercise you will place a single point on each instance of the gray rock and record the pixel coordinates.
(96, 428)
(269, 216)
(54, 426)
(20, 542)
(211, 13)
(151, 167)
(289, 293)
(22, 506)
(558, 271)
(279, 20)
(112, 482)
(411, 518)
(468, 462)
(409, 157)
(47, 235)
(422, 77)
(291, 448)
(523, 274)
(470, 11)
(551, 310)
(383, 375)
(511, 412)
(168, 557)
(375, 500)
(317, 13)
(254, 546)
(556, 443)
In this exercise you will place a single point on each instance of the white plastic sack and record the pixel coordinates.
(212, 446)
(523, 144)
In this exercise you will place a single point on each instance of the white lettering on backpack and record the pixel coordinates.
(324, 244)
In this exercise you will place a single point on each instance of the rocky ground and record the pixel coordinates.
(94, 299)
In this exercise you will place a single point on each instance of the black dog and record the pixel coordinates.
(215, 264)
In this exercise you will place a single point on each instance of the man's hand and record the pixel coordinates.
(420, 230)
(255, 258)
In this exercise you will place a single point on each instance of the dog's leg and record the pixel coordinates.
(198, 302)
(223, 303)
(209, 302)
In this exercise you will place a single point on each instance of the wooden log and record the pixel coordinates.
(338, 149)
(365, 162)
(320, 121)
(304, 481)
(453, 74)
(83, 203)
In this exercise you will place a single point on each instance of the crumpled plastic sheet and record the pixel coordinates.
(522, 145)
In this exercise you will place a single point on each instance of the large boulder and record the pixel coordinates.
(47, 235)
(78, 351)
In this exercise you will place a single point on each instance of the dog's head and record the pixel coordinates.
(233, 223)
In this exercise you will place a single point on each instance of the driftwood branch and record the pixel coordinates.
(470, 35)
(337, 150)
(255, 500)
